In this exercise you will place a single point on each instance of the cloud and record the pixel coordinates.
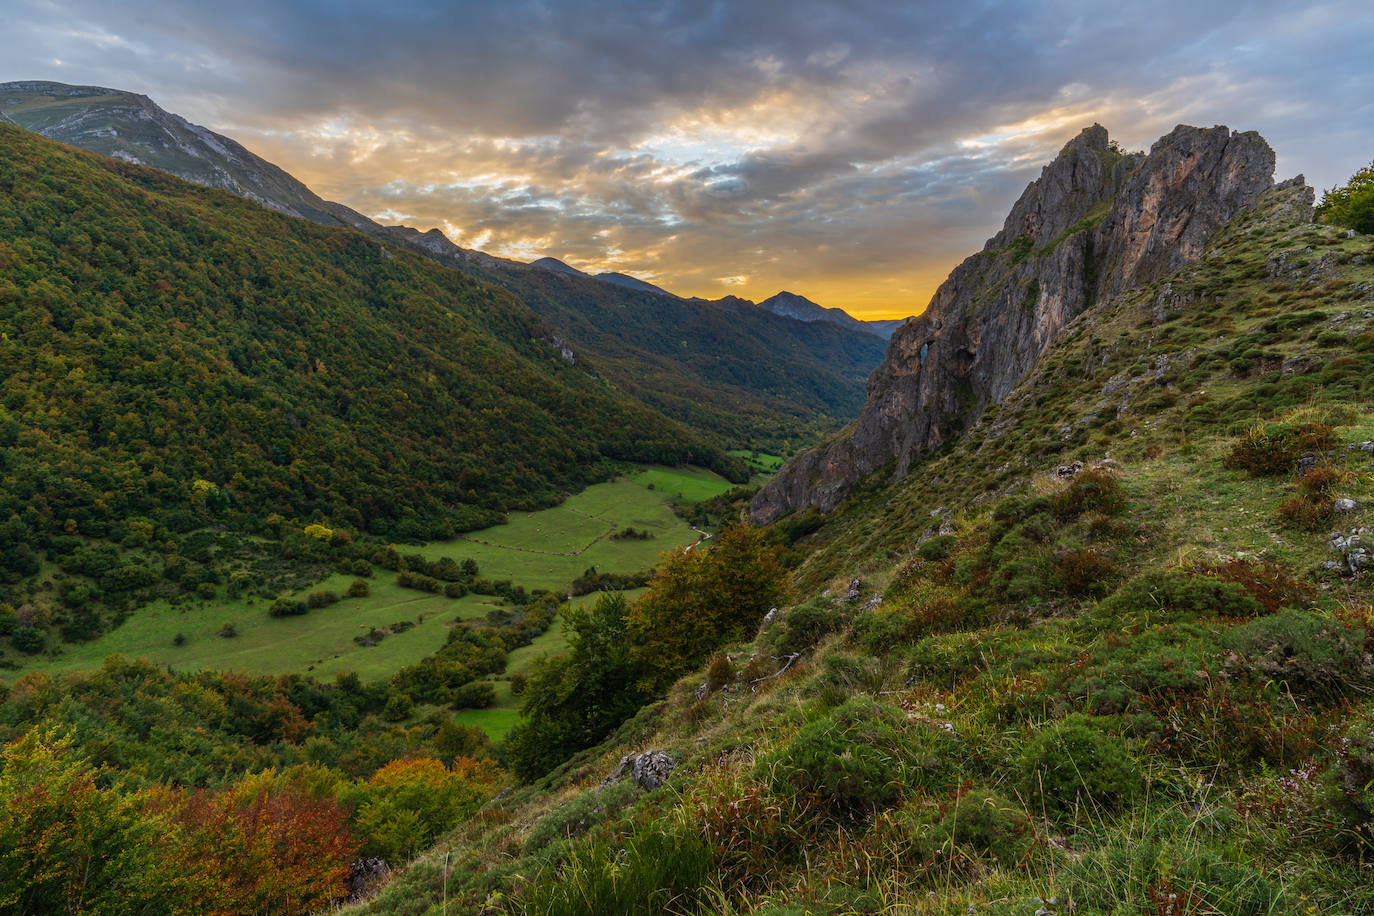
(852, 152)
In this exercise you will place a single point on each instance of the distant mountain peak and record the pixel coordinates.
(792, 305)
(558, 266)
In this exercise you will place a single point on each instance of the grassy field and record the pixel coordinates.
(761, 463)
(546, 549)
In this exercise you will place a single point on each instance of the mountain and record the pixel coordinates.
(558, 267)
(205, 345)
(724, 366)
(743, 378)
(791, 305)
(626, 280)
(133, 128)
(1094, 224)
(997, 679)
(618, 279)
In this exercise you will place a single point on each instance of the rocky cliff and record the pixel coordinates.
(1096, 222)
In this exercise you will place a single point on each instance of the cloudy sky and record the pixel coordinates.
(851, 151)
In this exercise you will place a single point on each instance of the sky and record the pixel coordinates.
(852, 152)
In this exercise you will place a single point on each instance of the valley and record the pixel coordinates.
(347, 569)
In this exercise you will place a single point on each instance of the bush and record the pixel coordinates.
(1313, 656)
(474, 695)
(359, 588)
(29, 640)
(398, 707)
(850, 761)
(1352, 204)
(1083, 572)
(320, 599)
(938, 547)
(807, 624)
(1073, 764)
(228, 631)
(719, 673)
(1272, 586)
(287, 607)
(1163, 597)
(1276, 447)
(1093, 490)
(989, 824)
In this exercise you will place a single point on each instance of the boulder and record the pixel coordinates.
(649, 770)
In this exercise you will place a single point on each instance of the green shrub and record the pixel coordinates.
(1352, 204)
(884, 628)
(398, 707)
(938, 547)
(1276, 447)
(287, 607)
(989, 824)
(319, 599)
(850, 761)
(1314, 656)
(575, 817)
(1163, 597)
(807, 624)
(359, 588)
(474, 695)
(1073, 764)
(29, 640)
(1093, 490)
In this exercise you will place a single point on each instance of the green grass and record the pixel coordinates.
(495, 721)
(546, 549)
(767, 464)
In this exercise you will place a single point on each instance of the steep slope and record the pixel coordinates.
(724, 366)
(1095, 223)
(801, 308)
(239, 363)
(1109, 652)
(133, 128)
(744, 378)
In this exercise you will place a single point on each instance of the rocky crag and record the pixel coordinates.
(1097, 222)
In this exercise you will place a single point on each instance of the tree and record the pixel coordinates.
(703, 599)
(1352, 204)
(573, 701)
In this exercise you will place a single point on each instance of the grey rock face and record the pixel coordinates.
(1095, 223)
(649, 770)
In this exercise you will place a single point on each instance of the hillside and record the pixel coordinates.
(176, 359)
(135, 129)
(1107, 650)
(742, 377)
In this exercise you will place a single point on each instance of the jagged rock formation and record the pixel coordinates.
(134, 128)
(649, 770)
(1095, 223)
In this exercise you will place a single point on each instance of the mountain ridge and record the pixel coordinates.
(1095, 223)
(740, 377)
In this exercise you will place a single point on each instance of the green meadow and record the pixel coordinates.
(545, 549)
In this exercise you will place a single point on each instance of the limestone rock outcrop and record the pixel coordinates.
(1095, 223)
